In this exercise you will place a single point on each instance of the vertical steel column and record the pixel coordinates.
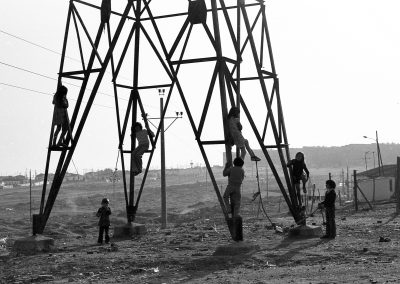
(238, 54)
(221, 77)
(130, 209)
(163, 183)
(120, 136)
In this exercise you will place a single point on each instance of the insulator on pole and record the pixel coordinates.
(105, 11)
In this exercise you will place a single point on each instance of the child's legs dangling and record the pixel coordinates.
(243, 152)
(247, 145)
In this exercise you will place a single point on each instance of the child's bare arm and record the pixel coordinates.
(307, 171)
(239, 126)
(227, 169)
(151, 133)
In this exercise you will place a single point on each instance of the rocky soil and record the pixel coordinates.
(184, 252)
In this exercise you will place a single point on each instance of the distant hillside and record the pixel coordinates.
(339, 157)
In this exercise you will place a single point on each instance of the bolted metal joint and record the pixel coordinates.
(197, 12)
(105, 11)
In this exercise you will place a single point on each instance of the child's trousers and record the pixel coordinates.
(232, 197)
(137, 154)
(330, 222)
(103, 230)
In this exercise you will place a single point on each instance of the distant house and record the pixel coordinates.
(91, 176)
(14, 180)
(40, 178)
(375, 186)
(73, 177)
(385, 171)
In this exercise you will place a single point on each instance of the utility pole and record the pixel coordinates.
(162, 119)
(373, 154)
(163, 183)
(348, 184)
(380, 163)
(365, 159)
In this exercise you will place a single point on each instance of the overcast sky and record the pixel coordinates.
(338, 64)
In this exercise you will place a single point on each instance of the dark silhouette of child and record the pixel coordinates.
(142, 136)
(300, 173)
(104, 213)
(329, 205)
(60, 116)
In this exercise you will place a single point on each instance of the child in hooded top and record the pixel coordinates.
(300, 173)
(235, 130)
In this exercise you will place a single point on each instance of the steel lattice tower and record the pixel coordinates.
(239, 26)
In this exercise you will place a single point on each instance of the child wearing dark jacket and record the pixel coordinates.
(329, 204)
(104, 213)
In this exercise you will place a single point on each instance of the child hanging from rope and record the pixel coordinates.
(232, 193)
(142, 136)
(60, 116)
(300, 173)
(236, 137)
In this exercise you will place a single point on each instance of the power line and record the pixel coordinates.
(45, 48)
(51, 78)
(25, 70)
(43, 93)
(56, 52)
(37, 45)
(54, 79)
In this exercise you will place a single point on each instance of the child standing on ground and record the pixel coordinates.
(104, 213)
(232, 195)
(142, 136)
(235, 129)
(329, 204)
(60, 116)
(300, 173)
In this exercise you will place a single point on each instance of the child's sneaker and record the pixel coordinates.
(255, 158)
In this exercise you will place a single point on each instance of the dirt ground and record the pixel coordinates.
(183, 253)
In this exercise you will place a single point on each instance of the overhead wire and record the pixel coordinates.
(35, 44)
(45, 48)
(43, 93)
(51, 78)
